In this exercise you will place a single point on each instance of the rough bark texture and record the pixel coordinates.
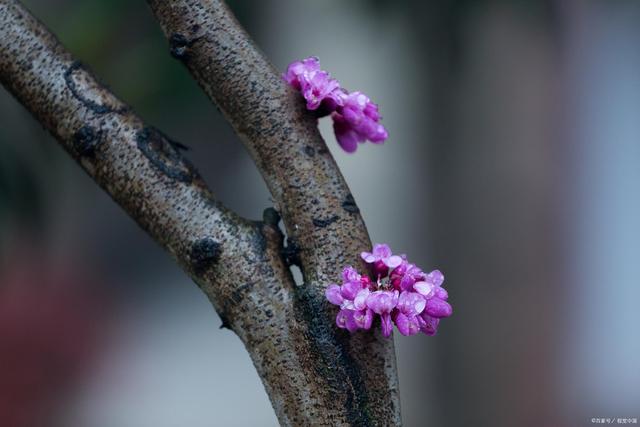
(314, 373)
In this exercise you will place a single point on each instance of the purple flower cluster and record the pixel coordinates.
(402, 294)
(355, 118)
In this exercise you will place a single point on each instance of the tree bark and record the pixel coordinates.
(314, 373)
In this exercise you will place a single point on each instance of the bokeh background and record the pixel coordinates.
(513, 166)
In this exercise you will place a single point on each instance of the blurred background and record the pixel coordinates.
(513, 166)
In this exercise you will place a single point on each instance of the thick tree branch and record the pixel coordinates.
(319, 213)
(313, 373)
(236, 262)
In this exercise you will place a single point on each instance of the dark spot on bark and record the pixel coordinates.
(86, 140)
(325, 222)
(291, 252)
(195, 28)
(79, 93)
(204, 254)
(309, 151)
(349, 204)
(179, 45)
(270, 216)
(164, 155)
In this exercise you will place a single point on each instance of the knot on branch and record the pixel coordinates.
(349, 205)
(225, 322)
(270, 216)
(86, 140)
(204, 254)
(321, 223)
(291, 253)
(179, 45)
(164, 155)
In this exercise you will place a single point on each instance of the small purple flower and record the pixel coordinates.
(436, 296)
(410, 305)
(355, 118)
(438, 308)
(381, 259)
(350, 274)
(320, 88)
(353, 320)
(382, 303)
(356, 121)
(300, 69)
(315, 84)
(429, 285)
(344, 320)
(428, 324)
(413, 300)
(442, 293)
(351, 297)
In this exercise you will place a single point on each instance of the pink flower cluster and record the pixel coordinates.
(355, 118)
(402, 294)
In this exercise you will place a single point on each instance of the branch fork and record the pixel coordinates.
(314, 373)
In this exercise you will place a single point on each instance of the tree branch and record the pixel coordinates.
(313, 372)
(318, 210)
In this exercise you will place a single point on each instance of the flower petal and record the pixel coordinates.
(393, 261)
(428, 324)
(436, 277)
(360, 301)
(387, 326)
(402, 322)
(424, 288)
(407, 325)
(368, 319)
(350, 274)
(341, 319)
(350, 289)
(345, 320)
(381, 250)
(411, 303)
(407, 282)
(333, 294)
(368, 257)
(438, 308)
(346, 136)
(441, 293)
(382, 301)
(363, 318)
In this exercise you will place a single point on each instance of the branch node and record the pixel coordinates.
(86, 140)
(204, 254)
(321, 223)
(179, 44)
(164, 155)
(291, 253)
(225, 322)
(309, 151)
(349, 204)
(270, 216)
